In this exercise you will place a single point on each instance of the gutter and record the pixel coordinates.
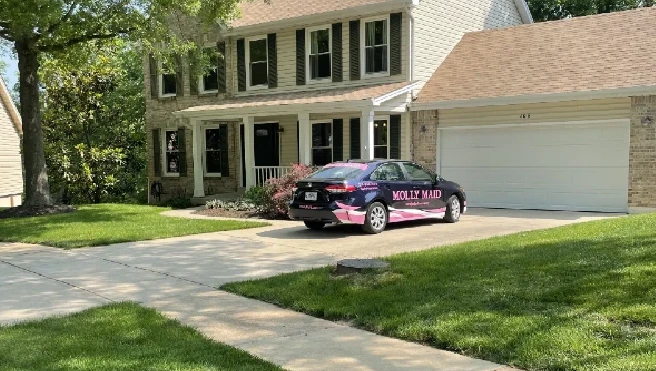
(524, 11)
(537, 98)
(363, 10)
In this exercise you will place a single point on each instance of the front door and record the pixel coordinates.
(266, 144)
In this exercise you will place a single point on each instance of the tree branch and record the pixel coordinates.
(82, 39)
(64, 19)
(5, 35)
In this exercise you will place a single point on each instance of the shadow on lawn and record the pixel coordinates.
(557, 303)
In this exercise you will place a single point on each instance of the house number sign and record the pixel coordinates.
(525, 116)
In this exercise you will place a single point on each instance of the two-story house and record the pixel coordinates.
(11, 167)
(304, 81)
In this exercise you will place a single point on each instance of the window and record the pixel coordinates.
(388, 172)
(209, 82)
(376, 43)
(172, 158)
(339, 172)
(213, 152)
(257, 62)
(319, 55)
(417, 172)
(167, 82)
(381, 139)
(322, 143)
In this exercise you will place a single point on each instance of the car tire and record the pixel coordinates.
(315, 225)
(453, 210)
(375, 219)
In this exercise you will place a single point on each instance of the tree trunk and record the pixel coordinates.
(37, 189)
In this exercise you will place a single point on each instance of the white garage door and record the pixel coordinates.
(550, 167)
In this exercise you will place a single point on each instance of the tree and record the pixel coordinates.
(550, 10)
(93, 123)
(47, 27)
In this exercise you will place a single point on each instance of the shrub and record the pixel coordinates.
(278, 191)
(239, 205)
(256, 195)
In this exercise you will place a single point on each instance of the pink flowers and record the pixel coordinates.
(279, 190)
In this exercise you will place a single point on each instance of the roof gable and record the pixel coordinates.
(584, 54)
(8, 103)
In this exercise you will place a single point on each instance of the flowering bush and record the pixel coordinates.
(279, 190)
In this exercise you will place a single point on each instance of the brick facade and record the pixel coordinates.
(642, 154)
(159, 115)
(424, 137)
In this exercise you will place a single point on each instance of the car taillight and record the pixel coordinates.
(340, 188)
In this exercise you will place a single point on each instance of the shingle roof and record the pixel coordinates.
(258, 11)
(5, 99)
(350, 94)
(594, 53)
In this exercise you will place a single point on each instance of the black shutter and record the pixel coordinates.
(193, 74)
(179, 81)
(354, 50)
(300, 57)
(154, 77)
(157, 153)
(241, 65)
(396, 21)
(395, 137)
(298, 141)
(221, 66)
(337, 52)
(223, 146)
(355, 139)
(182, 152)
(273, 60)
(338, 140)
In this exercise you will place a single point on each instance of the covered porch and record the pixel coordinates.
(273, 132)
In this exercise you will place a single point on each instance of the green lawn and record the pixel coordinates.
(117, 337)
(581, 297)
(94, 225)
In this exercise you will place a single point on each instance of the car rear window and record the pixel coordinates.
(340, 171)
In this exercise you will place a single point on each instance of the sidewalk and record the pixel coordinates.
(39, 281)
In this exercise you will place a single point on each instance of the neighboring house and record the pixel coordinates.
(11, 170)
(556, 116)
(303, 81)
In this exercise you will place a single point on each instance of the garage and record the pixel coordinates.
(581, 166)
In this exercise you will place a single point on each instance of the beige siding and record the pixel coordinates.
(286, 46)
(11, 173)
(601, 109)
(441, 23)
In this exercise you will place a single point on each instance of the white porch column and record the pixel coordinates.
(199, 187)
(304, 134)
(249, 150)
(367, 135)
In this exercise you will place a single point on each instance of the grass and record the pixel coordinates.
(580, 297)
(117, 337)
(96, 225)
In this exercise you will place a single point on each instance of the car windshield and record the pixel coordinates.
(340, 171)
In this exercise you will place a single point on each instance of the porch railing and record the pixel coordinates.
(264, 173)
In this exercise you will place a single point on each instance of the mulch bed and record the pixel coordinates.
(223, 213)
(25, 211)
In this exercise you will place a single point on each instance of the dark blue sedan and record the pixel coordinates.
(374, 193)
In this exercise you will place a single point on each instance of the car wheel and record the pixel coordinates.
(376, 218)
(315, 225)
(453, 209)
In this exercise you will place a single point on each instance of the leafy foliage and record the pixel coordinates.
(257, 195)
(550, 10)
(239, 205)
(94, 124)
(279, 190)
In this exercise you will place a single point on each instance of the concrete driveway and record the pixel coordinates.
(177, 276)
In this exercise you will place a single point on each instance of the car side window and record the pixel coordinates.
(416, 172)
(388, 172)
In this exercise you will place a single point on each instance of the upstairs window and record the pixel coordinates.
(209, 82)
(167, 81)
(376, 46)
(257, 63)
(319, 55)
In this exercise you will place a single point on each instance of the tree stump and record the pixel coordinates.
(348, 266)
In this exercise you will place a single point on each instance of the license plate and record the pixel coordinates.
(310, 196)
